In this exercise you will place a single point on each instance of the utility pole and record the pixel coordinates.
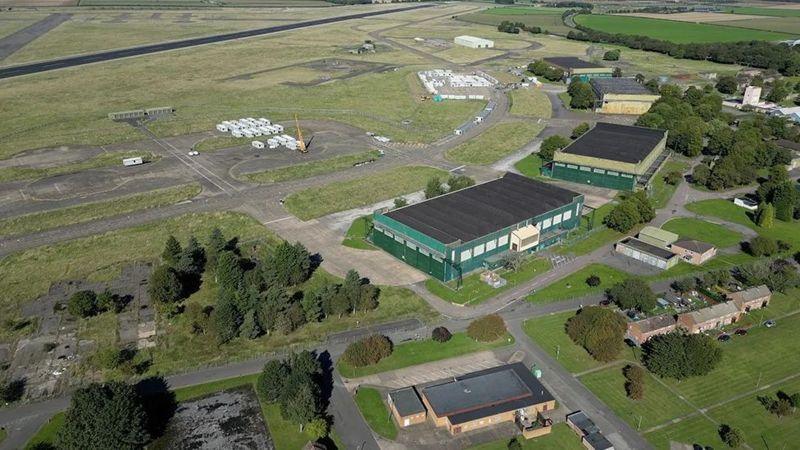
(558, 351)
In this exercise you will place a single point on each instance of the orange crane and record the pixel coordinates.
(301, 144)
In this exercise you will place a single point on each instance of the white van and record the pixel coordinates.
(135, 161)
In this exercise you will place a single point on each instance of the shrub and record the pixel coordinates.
(679, 356)
(487, 328)
(732, 437)
(762, 246)
(441, 334)
(369, 350)
(12, 391)
(598, 330)
(633, 293)
(673, 177)
(634, 381)
(82, 304)
(611, 55)
(593, 280)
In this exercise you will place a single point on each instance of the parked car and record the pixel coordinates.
(724, 337)
(770, 323)
(740, 332)
(605, 302)
(194, 153)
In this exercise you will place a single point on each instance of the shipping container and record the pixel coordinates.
(135, 161)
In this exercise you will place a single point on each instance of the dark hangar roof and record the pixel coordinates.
(571, 62)
(621, 143)
(406, 401)
(602, 86)
(486, 393)
(482, 209)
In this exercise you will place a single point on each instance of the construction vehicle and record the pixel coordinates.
(301, 144)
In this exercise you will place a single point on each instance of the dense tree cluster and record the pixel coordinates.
(295, 384)
(87, 303)
(612, 55)
(633, 293)
(598, 330)
(633, 210)
(368, 350)
(778, 196)
(550, 145)
(782, 404)
(487, 328)
(435, 187)
(779, 275)
(732, 437)
(178, 275)
(581, 94)
(679, 356)
(781, 57)
(515, 27)
(634, 381)
(540, 68)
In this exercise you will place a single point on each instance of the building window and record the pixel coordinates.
(477, 250)
(560, 165)
(465, 255)
(411, 245)
(627, 175)
(571, 166)
(611, 172)
(557, 219)
(436, 258)
(546, 224)
(599, 171)
(586, 169)
(503, 240)
(491, 245)
(398, 239)
(422, 251)
(567, 215)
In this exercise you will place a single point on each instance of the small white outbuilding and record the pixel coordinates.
(473, 42)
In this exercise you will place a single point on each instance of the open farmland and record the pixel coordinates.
(781, 11)
(203, 3)
(673, 31)
(545, 18)
(784, 24)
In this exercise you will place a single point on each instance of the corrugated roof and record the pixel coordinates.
(644, 247)
(659, 234)
(630, 86)
(714, 312)
(483, 209)
(614, 142)
(406, 401)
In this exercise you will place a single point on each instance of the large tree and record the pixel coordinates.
(165, 286)
(290, 264)
(550, 145)
(633, 293)
(598, 330)
(677, 355)
(581, 95)
(272, 379)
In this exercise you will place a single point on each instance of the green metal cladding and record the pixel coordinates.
(593, 176)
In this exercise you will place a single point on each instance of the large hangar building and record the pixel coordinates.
(611, 156)
(456, 233)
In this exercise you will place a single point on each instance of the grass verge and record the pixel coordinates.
(370, 402)
(102, 160)
(662, 191)
(357, 234)
(726, 210)
(342, 195)
(561, 437)
(703, 231)
(530, 166)
(310, 169)
(495, 143)
(574, 285)
(530, 102)
(48, 433)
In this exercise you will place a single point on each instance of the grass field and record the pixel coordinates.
(420, 352)
(342, 195)
(530, 166)
(220, 142)
(549, 332)
(574, 285)
(372, 407)
(48, 433)
(495, 143)
(789, 24)
(661, 191)
(108, 159)
(530, 102)
(310, 169)
(756, 11)
(561, 437)
(673, 31)
(701, 230)
(86, 212)
(726, 210)
(474, 291)
(546, 18)
(357, 233)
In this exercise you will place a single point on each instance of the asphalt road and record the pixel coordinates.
(72, 61)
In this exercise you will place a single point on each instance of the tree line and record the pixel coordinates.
(515, 27)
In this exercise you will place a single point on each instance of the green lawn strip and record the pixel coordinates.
(495, 143)
(201, 390)
(524, 11)
(661, 191)
(310, 169)
(219, 142)
(108, 159)
(530, 102)
(474, 291)
(48, 432)
(375, 412)
(286, 435)
(658, 405)
(549, 333)
(530, 166)
(418, 352)
(726, 210)
(356, 236)
(574, 285)
(674, 31)
(342, 195)
(566, 99)
(32, 223)
(561, 437)
(756, 11)
(701, 230)
(591, 234)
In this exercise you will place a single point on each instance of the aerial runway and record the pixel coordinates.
(72, 61)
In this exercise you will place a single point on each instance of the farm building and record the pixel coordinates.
(456, 233)
(646, 253)
(611, 156)
(749, 299)
(473, 42)
(574, 67)
(591, 437)
(693, 251)
(642, 330)
(710, 318)
(406, 407)
(507, 393)
(621, 96)
(657, 236)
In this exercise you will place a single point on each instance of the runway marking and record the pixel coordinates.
(279, 220)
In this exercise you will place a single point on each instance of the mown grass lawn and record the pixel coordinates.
(674, 31)
(530, 102)
(108, 159)
(419, 352)
(662, 191)
(474, 291)
(495, 143)
(561, 437)
(48, 433)
(85, 212)
(550, 333)
(726, 210)
(375, 412)
(342, 195)
(356, 236)
(574, 285)
(591, 234)
(701, 230)
(530, 166)
(311, 169)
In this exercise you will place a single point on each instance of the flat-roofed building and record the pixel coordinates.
(657, 236)
(407, 409)
(621, 96)
(611, 156)
(709, 318)
(642, 330)
(577, 68)
(508, 393)
(646, 253)
(453, 234)
(749, 299)
(591, 437)
(693, 251)
(473, 42)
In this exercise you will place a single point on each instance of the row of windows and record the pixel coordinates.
(595, 170)
(410, 245)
